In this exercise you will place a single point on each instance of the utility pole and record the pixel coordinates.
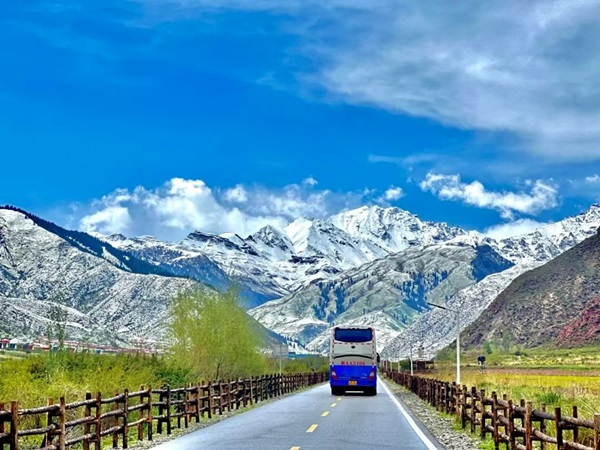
(457, 312)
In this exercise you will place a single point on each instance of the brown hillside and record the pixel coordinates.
(583, 330)
(538, 305)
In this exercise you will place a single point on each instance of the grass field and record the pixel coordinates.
(557, 377)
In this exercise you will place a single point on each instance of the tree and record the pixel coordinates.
(211, 335)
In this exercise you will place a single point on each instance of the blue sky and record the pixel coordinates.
(164, 116)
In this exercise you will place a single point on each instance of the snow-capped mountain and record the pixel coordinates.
(437, 328)
(432, 329)
(272, 263)
(387, 293)
(392, 229)
(551, 240)
(351, 268)
(46, 272)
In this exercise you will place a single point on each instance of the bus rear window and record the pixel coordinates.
(353, 335)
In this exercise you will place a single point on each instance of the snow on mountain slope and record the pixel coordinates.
(392, 229)
(551, 240)
(309, 256)
(40, 270)
(388, 292)
(436, 329)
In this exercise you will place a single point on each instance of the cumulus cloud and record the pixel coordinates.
(450, 187)
(114, 219)
(236, 195)
(181, 206)
(511, 229)
(393, 193)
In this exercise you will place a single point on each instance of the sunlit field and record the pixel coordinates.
(562, 378)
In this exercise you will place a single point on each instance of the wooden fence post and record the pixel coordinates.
(150, 413)
(140, 427)
(125, 417)
(98, 422)
(511, 427)
(529, 426)
(473, 409)
(49, 420)
(115, 422)
(495, 420)
(87, 412)
(559, 431)
(543, 426)
(482, 420)
(14, 424)
(168, 410)
(62, 437)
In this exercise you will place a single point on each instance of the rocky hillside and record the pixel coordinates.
(386, 293)
(44, 275)
(546, 305)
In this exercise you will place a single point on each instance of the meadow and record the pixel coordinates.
(557, 377)
(32, 379)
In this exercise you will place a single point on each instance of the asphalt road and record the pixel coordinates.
(313, 420)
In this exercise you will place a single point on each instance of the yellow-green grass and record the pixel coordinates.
(556, 377)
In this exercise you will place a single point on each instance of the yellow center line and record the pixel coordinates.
(333, 405)
(325, 414)
(339, 399)
(312, 428)
(295, 448)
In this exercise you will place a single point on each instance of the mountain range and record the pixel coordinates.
(373, 265)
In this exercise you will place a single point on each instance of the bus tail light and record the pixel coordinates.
(372, 375)
(333, 374)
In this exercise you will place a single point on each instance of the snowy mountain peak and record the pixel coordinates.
(272, 242)
(392, 229)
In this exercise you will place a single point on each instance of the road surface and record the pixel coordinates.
(315, 420)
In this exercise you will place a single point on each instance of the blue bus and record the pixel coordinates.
(353, 360)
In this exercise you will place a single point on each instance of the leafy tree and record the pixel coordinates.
(487, 346)
(212, 336)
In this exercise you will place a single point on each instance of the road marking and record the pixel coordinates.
(333, 405)
(410, 421)
(339, 399)
(325, 414)
(295, 448)
(312, 428)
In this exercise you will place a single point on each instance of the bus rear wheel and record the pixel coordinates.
(371, 391)
(336, 391)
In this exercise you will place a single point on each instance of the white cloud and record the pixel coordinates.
(236, 195)
(111, 219)
(180, 206)
(310, 181)
(528, 68)
(393, 193)
(511, 229)
(594, 179)
(450, 187)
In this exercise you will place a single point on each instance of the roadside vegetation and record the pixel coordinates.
(556, 377)
(212, 338)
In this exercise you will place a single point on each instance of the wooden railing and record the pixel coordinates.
(135, 414)
(516, 424)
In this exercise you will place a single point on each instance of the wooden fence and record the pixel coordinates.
(516, 424)
(86, 422)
